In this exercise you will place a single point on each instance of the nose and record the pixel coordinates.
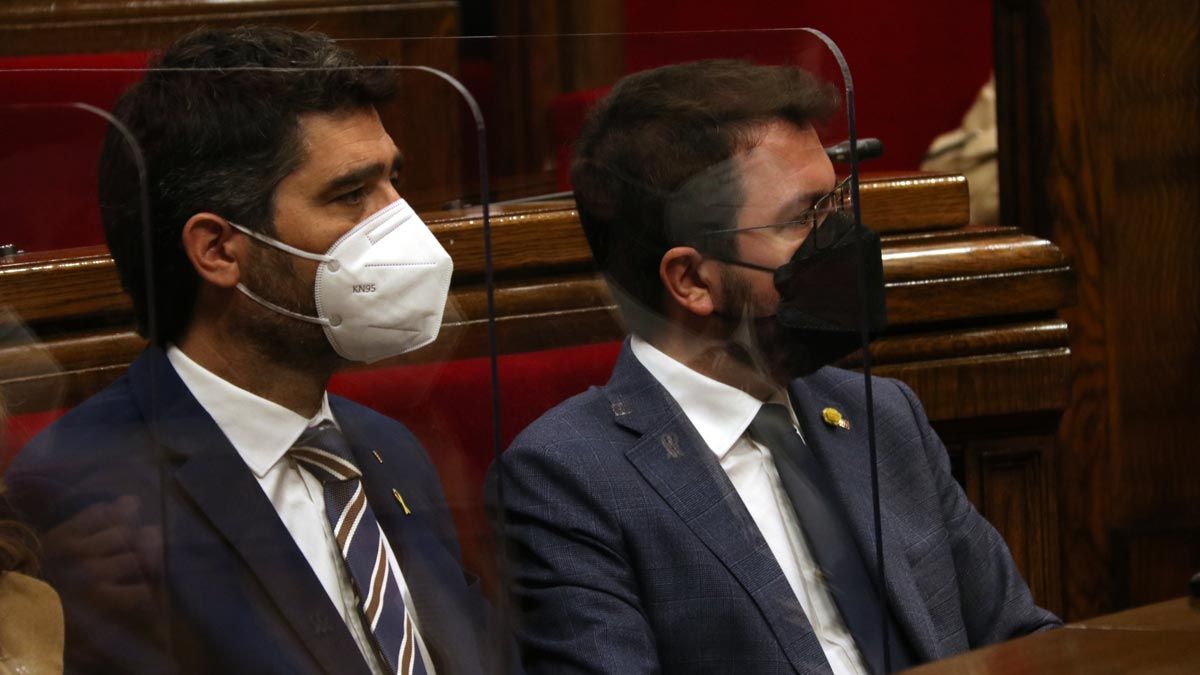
(383, 197)
(391, 192)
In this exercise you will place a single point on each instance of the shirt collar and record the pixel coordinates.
(719, 412)
(261, 431)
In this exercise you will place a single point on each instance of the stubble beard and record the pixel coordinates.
(282, 340)
(753, 340)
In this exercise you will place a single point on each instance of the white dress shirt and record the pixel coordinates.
(262, 432)
(721, 414)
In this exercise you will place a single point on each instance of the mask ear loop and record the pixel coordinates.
(319, 257)
(333, 322)
(331, 263)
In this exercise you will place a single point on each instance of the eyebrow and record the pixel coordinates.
(362, 174)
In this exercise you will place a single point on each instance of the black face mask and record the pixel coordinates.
(821, 299)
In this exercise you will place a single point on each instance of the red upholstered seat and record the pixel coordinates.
(20, 428)
(448, 407)
(49, 152)
(916, 66)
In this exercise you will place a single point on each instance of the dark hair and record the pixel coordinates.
(656, 144)
(217, 120)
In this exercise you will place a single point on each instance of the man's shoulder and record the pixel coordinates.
(581, 418)
(86, 429)
(95, 451)
(574, 453)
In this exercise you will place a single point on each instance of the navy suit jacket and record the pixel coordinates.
(632, 552)
(217, 584)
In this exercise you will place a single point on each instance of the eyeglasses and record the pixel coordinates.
(797, 230)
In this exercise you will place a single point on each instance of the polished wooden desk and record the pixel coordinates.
(1161, 638)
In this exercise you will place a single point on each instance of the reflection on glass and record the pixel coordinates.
(215, 509)
(290, 477)
(729, 499)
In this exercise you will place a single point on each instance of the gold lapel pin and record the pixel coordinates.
(396, 494)
(834, 418)
(377, 457)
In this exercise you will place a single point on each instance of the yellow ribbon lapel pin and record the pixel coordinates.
(833, 417)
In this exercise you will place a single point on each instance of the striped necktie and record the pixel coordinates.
(322, 450)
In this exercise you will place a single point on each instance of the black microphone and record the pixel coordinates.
(868, 148)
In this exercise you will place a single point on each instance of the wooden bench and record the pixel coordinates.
(973, 329)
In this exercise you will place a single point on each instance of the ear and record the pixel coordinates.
(690, 280)
(213, 249)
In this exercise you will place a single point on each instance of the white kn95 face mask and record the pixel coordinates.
(380, 289)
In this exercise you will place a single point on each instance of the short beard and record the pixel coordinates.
(750, 336)
(755, 339)
(281, 339)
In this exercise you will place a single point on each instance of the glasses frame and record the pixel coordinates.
(842, 193)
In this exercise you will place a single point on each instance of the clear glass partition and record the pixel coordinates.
(202, 504)
(663, 462)
(189, 506)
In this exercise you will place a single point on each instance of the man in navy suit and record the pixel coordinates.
(709, 510)
(214, 510)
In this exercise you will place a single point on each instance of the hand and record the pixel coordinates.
(104, 559)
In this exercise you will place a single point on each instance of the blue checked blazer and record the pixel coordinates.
(632, 552)
(223, 588)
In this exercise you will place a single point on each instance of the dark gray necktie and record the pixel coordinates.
(827, 529)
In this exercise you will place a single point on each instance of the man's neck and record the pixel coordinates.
(713, 358)
(297, 387)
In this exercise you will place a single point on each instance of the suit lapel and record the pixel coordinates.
(844, 453)
(680, 467)
(212, 473)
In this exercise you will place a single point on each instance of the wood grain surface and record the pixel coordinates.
(972, 329)
(1159, 638)
(83, 26)
(939, 282)
(1100, 154)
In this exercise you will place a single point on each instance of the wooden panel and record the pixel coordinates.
(548, 296)
(533, 239)
(1176, 615)
(1006, 466)
(565, 47)
(87, 286)
(85, 26)
(978, 296)
(995, 384)
(931, 345)
(932, 201)
(1156, 639)
(1100, 153)
(83, 283)
(1016, 498)
(973, 332)
(976, 250)
(1156, 559)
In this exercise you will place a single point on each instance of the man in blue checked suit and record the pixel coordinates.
(215, 510)
(709, 509)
